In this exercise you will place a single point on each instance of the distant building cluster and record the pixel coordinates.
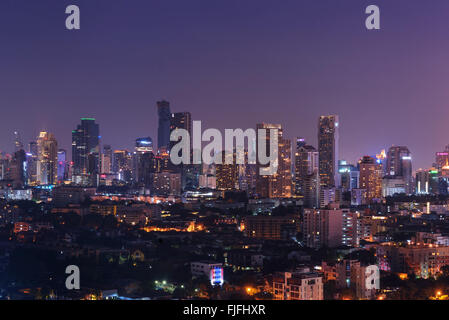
(311, 231)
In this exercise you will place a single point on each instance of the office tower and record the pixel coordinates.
(144, 145)
(370, 177)
(349, 176)
(122, 165)
(163, 132)
(278, 185)
(47, 155)
(207, 178)
(300, 142)
(328, 150)
(306, 164)
(86, 152)
(190, 177)
(422, 181)
(144, 162)
(392, 185)
(106, 160)
(399, 166)
(442, 159)
(382, 160)
(251, 175)
(17, 169)
(227, 174)
(434, 180)
(329, 195)
(323, 227)
(62, 166)
(17, 141)
(311, 190)
(32, 160)
(166, 183)
(181, 120)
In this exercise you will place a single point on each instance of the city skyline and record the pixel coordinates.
(233, 73)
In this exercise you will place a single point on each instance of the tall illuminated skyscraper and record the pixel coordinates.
(328, 127)
(442, 159)
(86, 152)
(278, 185)
(106, 159)
(306, 164)
(163, 132)
(399, 165)
(47, 155)
(227, 174)
(143, 161)
(370, 177)
(181, 120)
(62, 166)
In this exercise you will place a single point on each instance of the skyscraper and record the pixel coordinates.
(399, 166)
(47, 155)
(86, 152)
(306, 163)
(370, 177)
(227, 174)
(181, 120)
(144, 162)
(32, 160)
(106, 159)
(328, 150)
(278, 185)
(62, 166)
(163, 132)
(442, 159)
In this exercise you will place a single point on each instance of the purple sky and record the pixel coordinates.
(231, 64)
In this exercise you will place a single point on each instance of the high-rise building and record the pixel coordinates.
(349, 176)
(32, 160)
(163, 133)
(144, 145)
(17, 169)
(181, 120)
(47, 155)
(122, 165)
(442, 159)
(166, 183)
(106, 160)
(399, 166)
(323, 227)
(306, 164)
(370, 177)
(62, 166)
(381, 158)
(227, 174)
(328, 150)
(278, 185)
(86, 152)
(144, 161)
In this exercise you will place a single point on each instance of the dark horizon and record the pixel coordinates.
(230, 64)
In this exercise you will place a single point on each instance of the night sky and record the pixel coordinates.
(232, 64)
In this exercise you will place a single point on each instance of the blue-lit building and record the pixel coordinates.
(349, 175)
